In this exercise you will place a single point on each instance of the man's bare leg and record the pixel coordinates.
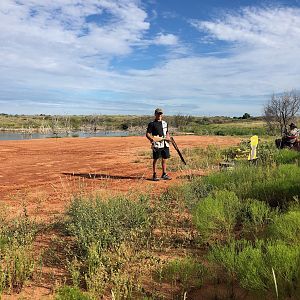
(164, 168)
(154, 166)
(164, 165)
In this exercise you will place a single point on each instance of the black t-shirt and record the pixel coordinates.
(155, 128)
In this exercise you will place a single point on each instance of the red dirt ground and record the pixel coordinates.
(45, 173)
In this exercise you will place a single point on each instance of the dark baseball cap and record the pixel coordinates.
(158, 111)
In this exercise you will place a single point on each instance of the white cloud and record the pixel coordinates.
(263, 58)
(270, 27)
(50, 47)
(166, 39)
(46, 33)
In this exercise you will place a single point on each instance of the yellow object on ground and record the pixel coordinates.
(253, 144)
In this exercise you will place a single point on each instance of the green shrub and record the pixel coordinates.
(186, 272)
(285, 260)
(17, 260)
(225, 256)
(71, 293)
(287, 156)
(256, 213)
(215, 216)
(199, 188)
(252, 265)
(17, 265)
(95, 273)
(275, 185)
(286, 227)
(107, 223)
(124, 288)
(266, 153)
(251, 268)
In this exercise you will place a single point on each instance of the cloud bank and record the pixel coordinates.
(59, 57)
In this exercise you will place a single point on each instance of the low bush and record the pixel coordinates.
(286, 227)
(285, 261)
(287, 156)
(17, 260)
(253, 265)
(216, 215)
(197, 158)
(275, 185)
(185, 272)
(251, 268)
(107, 223)
(94, 270)
(255, 214)
(71, 293)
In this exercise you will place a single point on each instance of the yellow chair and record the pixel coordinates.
(253, 152)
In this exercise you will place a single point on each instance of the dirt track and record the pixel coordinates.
(45, 173)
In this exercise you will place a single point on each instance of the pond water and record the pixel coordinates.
(10, 136)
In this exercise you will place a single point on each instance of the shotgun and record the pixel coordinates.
(177, 149)
(159, 139)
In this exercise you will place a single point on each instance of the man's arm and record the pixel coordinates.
(149, 137)
(149, 133)
(168, 134)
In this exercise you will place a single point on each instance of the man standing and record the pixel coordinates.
(158, 134)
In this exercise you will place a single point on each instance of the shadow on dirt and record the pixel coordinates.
(104, 176)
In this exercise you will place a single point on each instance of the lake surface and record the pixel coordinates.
(10, 136)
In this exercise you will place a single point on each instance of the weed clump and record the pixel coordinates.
(287, 156)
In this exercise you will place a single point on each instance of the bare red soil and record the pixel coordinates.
(45, 173)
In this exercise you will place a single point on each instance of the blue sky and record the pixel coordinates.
(190, 57)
